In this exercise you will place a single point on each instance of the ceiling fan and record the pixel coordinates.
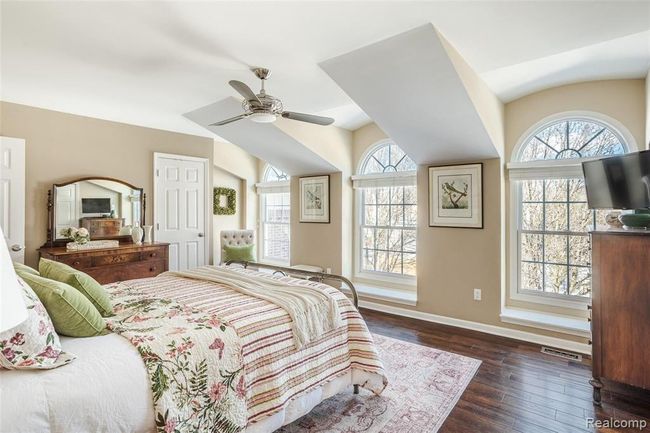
(264, 108)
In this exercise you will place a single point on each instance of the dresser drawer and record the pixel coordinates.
(77, 262)
(114, 259)
(156, 254)
(128, 271)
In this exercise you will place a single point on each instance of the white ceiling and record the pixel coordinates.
(414, 70)
(147, 63)
(265, 141)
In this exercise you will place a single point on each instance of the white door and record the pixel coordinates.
(180, 199)
(67, 207)
(12, 195)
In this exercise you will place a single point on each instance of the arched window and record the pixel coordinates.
(274, 174)
(386, 158)
(275, 213)
(550, 217)
(387, 215)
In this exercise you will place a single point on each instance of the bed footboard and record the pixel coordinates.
(313, 276)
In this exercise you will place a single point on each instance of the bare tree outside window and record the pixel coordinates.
(554, 250)
(388, 216)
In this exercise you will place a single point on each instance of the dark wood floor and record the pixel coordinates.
(517, 388)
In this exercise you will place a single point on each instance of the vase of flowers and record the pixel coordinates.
(79, 236)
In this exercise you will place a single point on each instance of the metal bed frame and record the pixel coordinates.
(309, 275)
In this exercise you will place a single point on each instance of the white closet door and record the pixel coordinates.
(180, 200)
(12, 195)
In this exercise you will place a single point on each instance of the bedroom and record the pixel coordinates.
(448, 191)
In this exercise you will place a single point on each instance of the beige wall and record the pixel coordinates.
(61, 147)
(624, 101)
(452, 262)
(335, 146)
(236, 161)
(647, 111)
(318, 244)
(224, 179)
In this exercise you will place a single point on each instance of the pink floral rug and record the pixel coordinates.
(424, 385)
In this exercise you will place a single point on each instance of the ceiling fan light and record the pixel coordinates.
(263, 117)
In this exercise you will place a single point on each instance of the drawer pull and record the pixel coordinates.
(153, 255)
(76, 263)
(152, 269)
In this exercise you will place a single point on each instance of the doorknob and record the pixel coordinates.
(16, 248)
(201, 235)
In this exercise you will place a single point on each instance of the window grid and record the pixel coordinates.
(404, 247)
(275, 212)
(568, 264)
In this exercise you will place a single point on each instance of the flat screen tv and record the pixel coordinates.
(618, 182)
(95, 205)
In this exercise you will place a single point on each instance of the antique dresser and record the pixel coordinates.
(125, 262)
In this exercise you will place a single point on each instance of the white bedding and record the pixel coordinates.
(106, 389)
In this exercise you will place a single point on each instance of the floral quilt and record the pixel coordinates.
(194, 361)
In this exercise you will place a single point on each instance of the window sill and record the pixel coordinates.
(550, 322)
(395, 296)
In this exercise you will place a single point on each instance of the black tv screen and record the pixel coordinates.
(618, 182)
(95, 205)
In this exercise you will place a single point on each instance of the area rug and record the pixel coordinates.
(424, 385)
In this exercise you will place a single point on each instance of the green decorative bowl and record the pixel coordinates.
(635, 220)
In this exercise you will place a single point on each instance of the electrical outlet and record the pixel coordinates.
(328, 270)
(477, 294)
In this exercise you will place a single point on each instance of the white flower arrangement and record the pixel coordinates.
(78, 235)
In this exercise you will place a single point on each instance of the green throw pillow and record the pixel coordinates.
(83, 282)
(71, 313)
(24, 268)
(243, 253)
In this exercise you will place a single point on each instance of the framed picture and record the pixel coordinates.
(456, 196)
(225, 201)
(315, 199)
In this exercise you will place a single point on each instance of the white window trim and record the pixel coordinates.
(266, 188)
(545, 298)
(546, 169)
(377, 278)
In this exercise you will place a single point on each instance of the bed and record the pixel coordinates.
(108, 388)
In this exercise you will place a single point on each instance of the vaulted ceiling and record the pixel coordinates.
(148, 63)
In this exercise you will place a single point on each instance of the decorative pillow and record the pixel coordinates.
(244, 253)
(24, 268)
(33, 344)
(71, 313)
(81, 281)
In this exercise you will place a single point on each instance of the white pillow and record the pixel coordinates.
(34, 344)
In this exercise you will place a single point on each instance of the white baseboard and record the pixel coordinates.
(529, 337)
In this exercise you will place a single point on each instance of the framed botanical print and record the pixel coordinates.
(456, 196)
(315, 199)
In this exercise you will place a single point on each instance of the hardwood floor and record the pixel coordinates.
(517, 388)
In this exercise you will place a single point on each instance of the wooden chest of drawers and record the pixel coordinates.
(126, 262)
(621, 308)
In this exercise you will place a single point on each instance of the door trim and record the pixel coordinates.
(207, 222)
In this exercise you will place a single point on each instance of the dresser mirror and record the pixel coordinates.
(107, 208)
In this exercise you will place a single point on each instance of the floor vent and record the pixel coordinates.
(561, 354)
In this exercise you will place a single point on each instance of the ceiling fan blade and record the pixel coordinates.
(318, 120)
(227, 121)
(245, 91)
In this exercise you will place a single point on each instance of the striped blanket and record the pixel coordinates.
(313, 311)
(275, 371)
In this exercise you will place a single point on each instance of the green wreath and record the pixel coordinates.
(231, 201)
